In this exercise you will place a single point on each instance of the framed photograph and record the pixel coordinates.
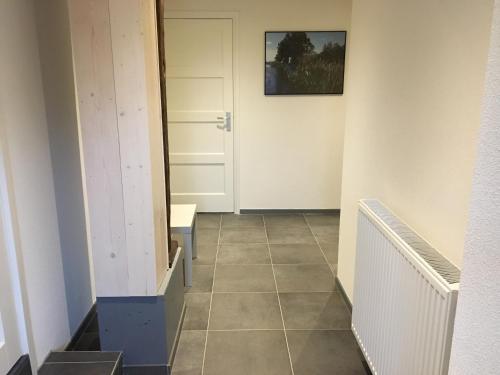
(305, 62)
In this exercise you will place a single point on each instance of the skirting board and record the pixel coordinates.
(343, 294)
(348, 303)
(22, 366)
(82, 329)
(263, 211)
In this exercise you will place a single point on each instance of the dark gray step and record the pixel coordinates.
(89, 363)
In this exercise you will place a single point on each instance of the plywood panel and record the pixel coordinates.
(153, 88)
(132, 107)
(93, 61)
(116, 67)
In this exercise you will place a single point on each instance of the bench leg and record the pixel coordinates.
(188, 259)
(193, 239)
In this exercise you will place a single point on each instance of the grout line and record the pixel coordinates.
(278, 294)
(211, 296)
(322, 252)
(266, 264)
(270, 329)
(266, 292)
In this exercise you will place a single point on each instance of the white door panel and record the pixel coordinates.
(199, 97)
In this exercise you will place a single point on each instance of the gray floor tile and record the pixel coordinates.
(244, 278)
(197, 307)
(326, 230)
(247, 353)
(285, 220)
(245, 311)
(244, 254)
(316, 220)
(207, 236)
(331, 250)
(189, 355)
(314, 311)
(211, 221)
(290, 235)
(243, 235)
(324, 352)
(242, 221)
(333, 267)
(326, 234)
(296, 253)
(304, 278)
(203, 277)
(205, 254)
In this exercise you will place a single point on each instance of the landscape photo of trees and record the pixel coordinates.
(303, 62)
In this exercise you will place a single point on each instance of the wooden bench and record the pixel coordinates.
(183, 222)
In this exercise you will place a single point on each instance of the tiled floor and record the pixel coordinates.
(264, 299)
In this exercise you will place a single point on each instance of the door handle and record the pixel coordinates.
(227, 122)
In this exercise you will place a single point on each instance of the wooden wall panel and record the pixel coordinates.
(116, 66)
(93, 61)
(131, 103)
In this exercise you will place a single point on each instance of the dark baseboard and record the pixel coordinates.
(86, 332)
(258, 211)
(348, 303)
(145, 370)
(22, 366)
(176, 340)
(343, 294)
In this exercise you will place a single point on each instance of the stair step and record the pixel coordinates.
(85, 363)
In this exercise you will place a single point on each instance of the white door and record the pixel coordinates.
(10, 343)
(199, 68)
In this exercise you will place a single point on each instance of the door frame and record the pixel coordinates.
(233, 16)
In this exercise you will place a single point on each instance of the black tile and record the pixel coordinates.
(81, 356)
(145, 370)
(100, 368)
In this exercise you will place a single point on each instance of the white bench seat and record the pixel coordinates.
(183, 221)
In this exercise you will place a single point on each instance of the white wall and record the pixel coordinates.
(290, 147)
(414, 90)
(60, 102)
(31, 184)
(476, 341)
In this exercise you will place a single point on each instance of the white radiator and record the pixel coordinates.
(405, 296)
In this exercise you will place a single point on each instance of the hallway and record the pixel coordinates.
(264, 299)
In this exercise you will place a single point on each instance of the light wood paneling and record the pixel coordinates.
(116, 69)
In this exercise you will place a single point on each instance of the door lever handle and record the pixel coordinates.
(227, 122)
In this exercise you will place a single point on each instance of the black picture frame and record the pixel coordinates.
(288, 89)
